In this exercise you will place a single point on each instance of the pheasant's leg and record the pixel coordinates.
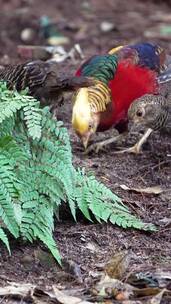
(100, 145)
(136, 149)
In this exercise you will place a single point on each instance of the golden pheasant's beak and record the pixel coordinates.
(85, 141)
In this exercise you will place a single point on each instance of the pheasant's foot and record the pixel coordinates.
(95, 147)
(102, 145)
(136, 149)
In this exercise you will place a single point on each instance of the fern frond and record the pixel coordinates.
(32, 116)
(10, 149)
(38, 222)
(4, 239)
(104, 204)
(7, 127)
(49, 242)
(10, 102)
(7, 194)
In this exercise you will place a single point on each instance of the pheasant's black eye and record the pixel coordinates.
(139, 113)
(90, 126)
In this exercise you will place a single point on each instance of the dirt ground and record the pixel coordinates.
(91, 245)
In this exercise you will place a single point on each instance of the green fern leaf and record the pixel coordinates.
(10, 149)
(4, 239)
(9, 105)
(7, 194)
(105, 205)
(49, 242)
(7, 127)
(32, 116)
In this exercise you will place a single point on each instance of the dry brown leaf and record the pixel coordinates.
(62, 298)
(146, 292)
(148, 276)
(118, 265)
(21, 290)
(132, 302)
(27, 292)
(113, 288)
(120, 291)
(147, 190)
(157, 299)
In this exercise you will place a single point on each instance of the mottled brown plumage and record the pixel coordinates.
(151, 111)
(42, 79)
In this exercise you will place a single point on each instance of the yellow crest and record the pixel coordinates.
(115, 50)
(87, 103)
(81, 112)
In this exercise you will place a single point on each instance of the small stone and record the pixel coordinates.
(92, 247)
(27, 35)
(58, 40)
(107, 26)
(94, 274)
(28, 259)
(5, 60)
(83, 238)
(86, 5)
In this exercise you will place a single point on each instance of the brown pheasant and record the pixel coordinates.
(151, 111)
(42, 80)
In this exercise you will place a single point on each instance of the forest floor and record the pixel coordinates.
(89, 245)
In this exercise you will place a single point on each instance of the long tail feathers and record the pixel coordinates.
(166, 75)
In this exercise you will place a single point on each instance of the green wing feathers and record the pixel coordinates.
(101, 67)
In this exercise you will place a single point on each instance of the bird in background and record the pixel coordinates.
(152, 112)
(121, 76)
(42, 80)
